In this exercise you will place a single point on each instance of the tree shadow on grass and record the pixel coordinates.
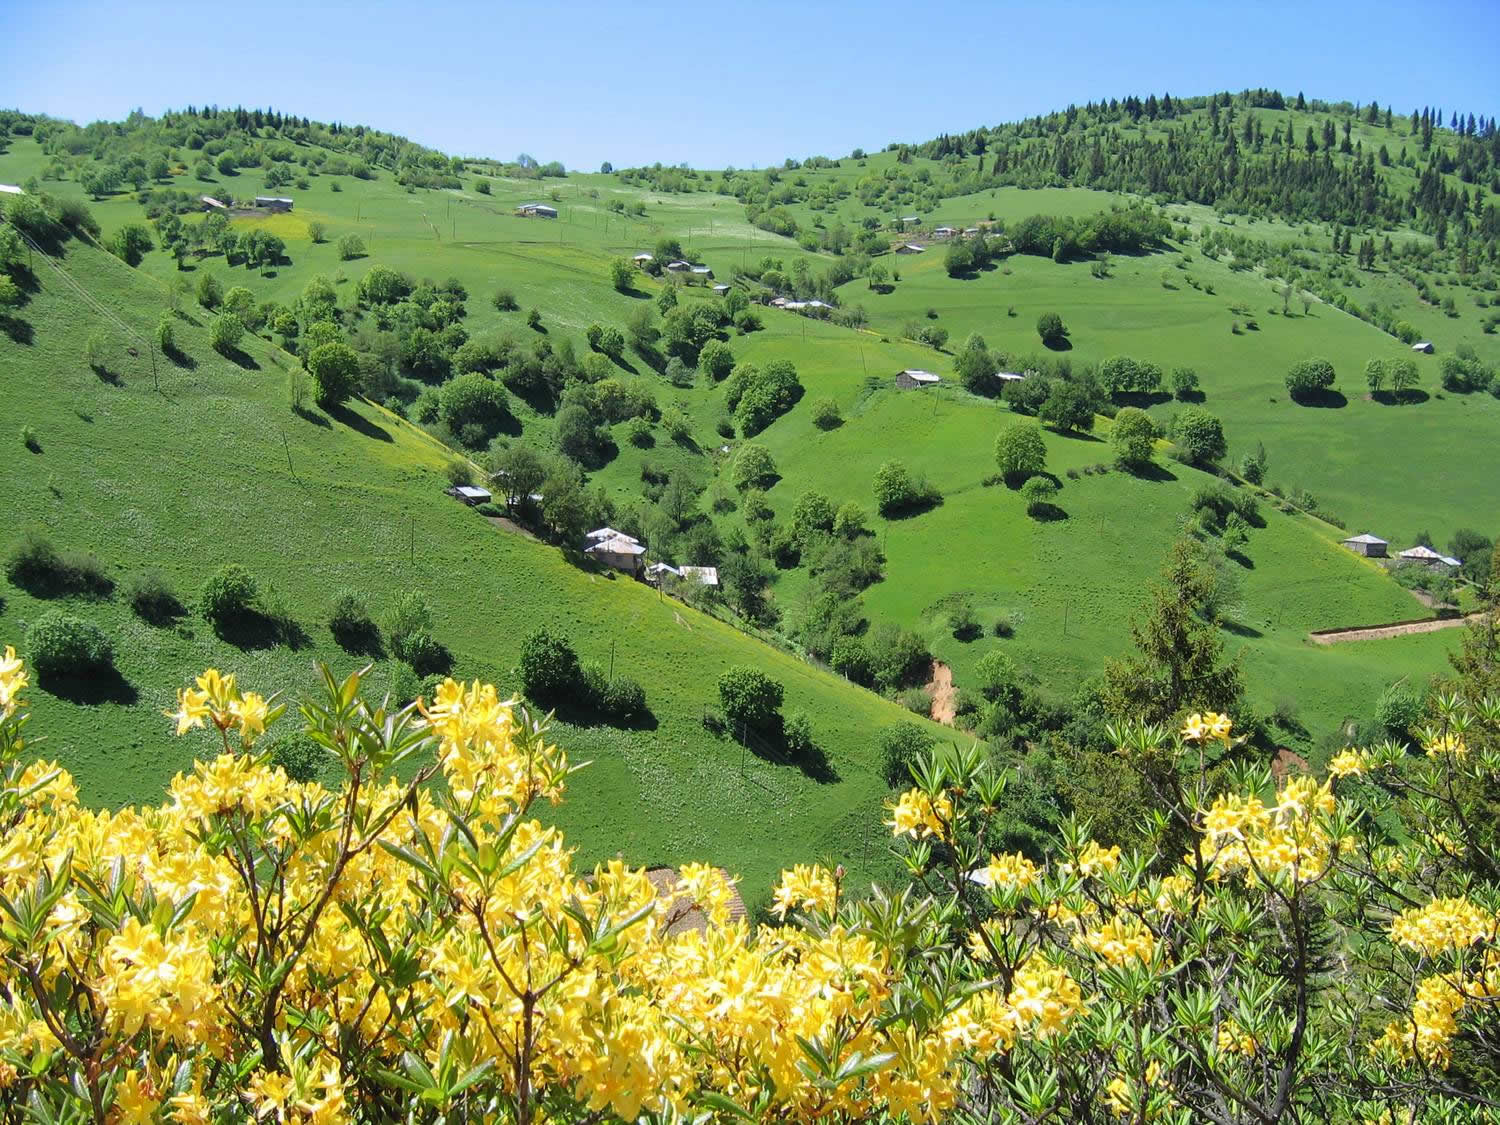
(1192, 396)
(915, 509)
(180, 358)
(312, 416)
(1058, 344)
(1240, 557)
(362, 639)
(241, 358)
(1141, 399)
(112, 378)
(1151, 471)
(1240, 629)
(91, 688)
(254, 630)
(1047, 513)
(1409, 397)
(1077, 435)
(18, 331)
(1326, 400)
(359, 423)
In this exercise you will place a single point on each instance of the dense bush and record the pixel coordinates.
(1309, 379)
(37, 567)
(227, 332)
(1050, 327)
(750, 697)
(1020, 451)
(754, 468)
(901, 745)
(548, 666)
(228, 598)
(408, 626)
(350, 621)
(1199, 436)
(1039, 492)
(897, 491)
(1133, 437)
(64, 646)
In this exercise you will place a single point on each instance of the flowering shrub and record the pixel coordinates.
(414, 945)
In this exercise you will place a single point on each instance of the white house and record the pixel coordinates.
(1426, 556)
(600, 534)
(622, 553)
(945, 232)
(703, 271)
(655, 571)
(703, 575)
(679, 266)
(1423, 346)
(470, 494)
(912, 378)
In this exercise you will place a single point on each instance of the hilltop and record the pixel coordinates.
(630, 385)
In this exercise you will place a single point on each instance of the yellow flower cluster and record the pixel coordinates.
(1208, 725)
(1349, 762)
(1235, 1040)
(1444, 924)
(1123, 1098)
(1092, 861)
(431, 926)
(12, 681)
(807, 888)
(1122, 939)
(1446, 745)
(918, 815)
(218, 700)
(1285, 840)
(1012, 872)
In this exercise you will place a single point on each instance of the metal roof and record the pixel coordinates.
(1365, 538)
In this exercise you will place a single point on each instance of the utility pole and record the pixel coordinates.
(285, 446)
(412, 523)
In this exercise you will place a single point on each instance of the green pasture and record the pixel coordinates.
(206, 465)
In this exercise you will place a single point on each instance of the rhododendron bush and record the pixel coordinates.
(413, 944)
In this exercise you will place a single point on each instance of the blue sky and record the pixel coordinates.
(715, 82)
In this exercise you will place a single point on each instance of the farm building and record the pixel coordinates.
(721, 289)
(644, 259)
(657, 570)
(912, 219)
(703, 271)
(1423, 346)
(799, 305)
(945, 232)
(679, 266)
(969, 232)
(910, 248)
(537, 211)
(11, 189)
(210, 203)
(1009, 376)
(778, 302)
(1426, 556)
(681, 912)
(470, 494)
(273, 202)
(1371, 546)
(620, 553)
(703, 575)
(911, 379)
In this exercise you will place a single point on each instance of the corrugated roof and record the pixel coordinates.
(1366, 537)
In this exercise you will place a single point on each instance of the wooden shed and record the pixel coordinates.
(1371, 546)
(913, 379)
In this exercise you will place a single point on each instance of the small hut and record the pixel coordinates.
(1371, 546)
(912, 379)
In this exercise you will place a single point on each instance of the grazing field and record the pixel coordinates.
(316, 500)
(212, 468)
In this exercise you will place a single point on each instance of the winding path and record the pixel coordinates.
(942, 692)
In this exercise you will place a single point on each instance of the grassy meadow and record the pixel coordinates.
(311, 503)
(213, 468)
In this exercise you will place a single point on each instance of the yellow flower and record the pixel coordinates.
(811, 888)
(1208, 724)
(918, 815)
(1194, 729)
(192, 710)
(249, 710)
(1093, 860)
(1446, 744)
(1009, 872)
(1347, 763)
(12, 680)
(1235, 1040)
(1121, 939)
(135, 1100)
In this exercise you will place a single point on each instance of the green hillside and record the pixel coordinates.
(1239, 285)
(210, 467)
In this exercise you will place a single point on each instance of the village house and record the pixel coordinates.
(210, 203)
(703, 271)
(644, 259)
(679, 266)
(470, 494)
(11, 189)
(537, 211)
(1423, 346)
(615, 549)
(912, 379)
(910, 248)
(721, 289)
(1009, 376)
(1371, 546)
(944, 232)
(273, 202)
(1426, 556)
(703, 575)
